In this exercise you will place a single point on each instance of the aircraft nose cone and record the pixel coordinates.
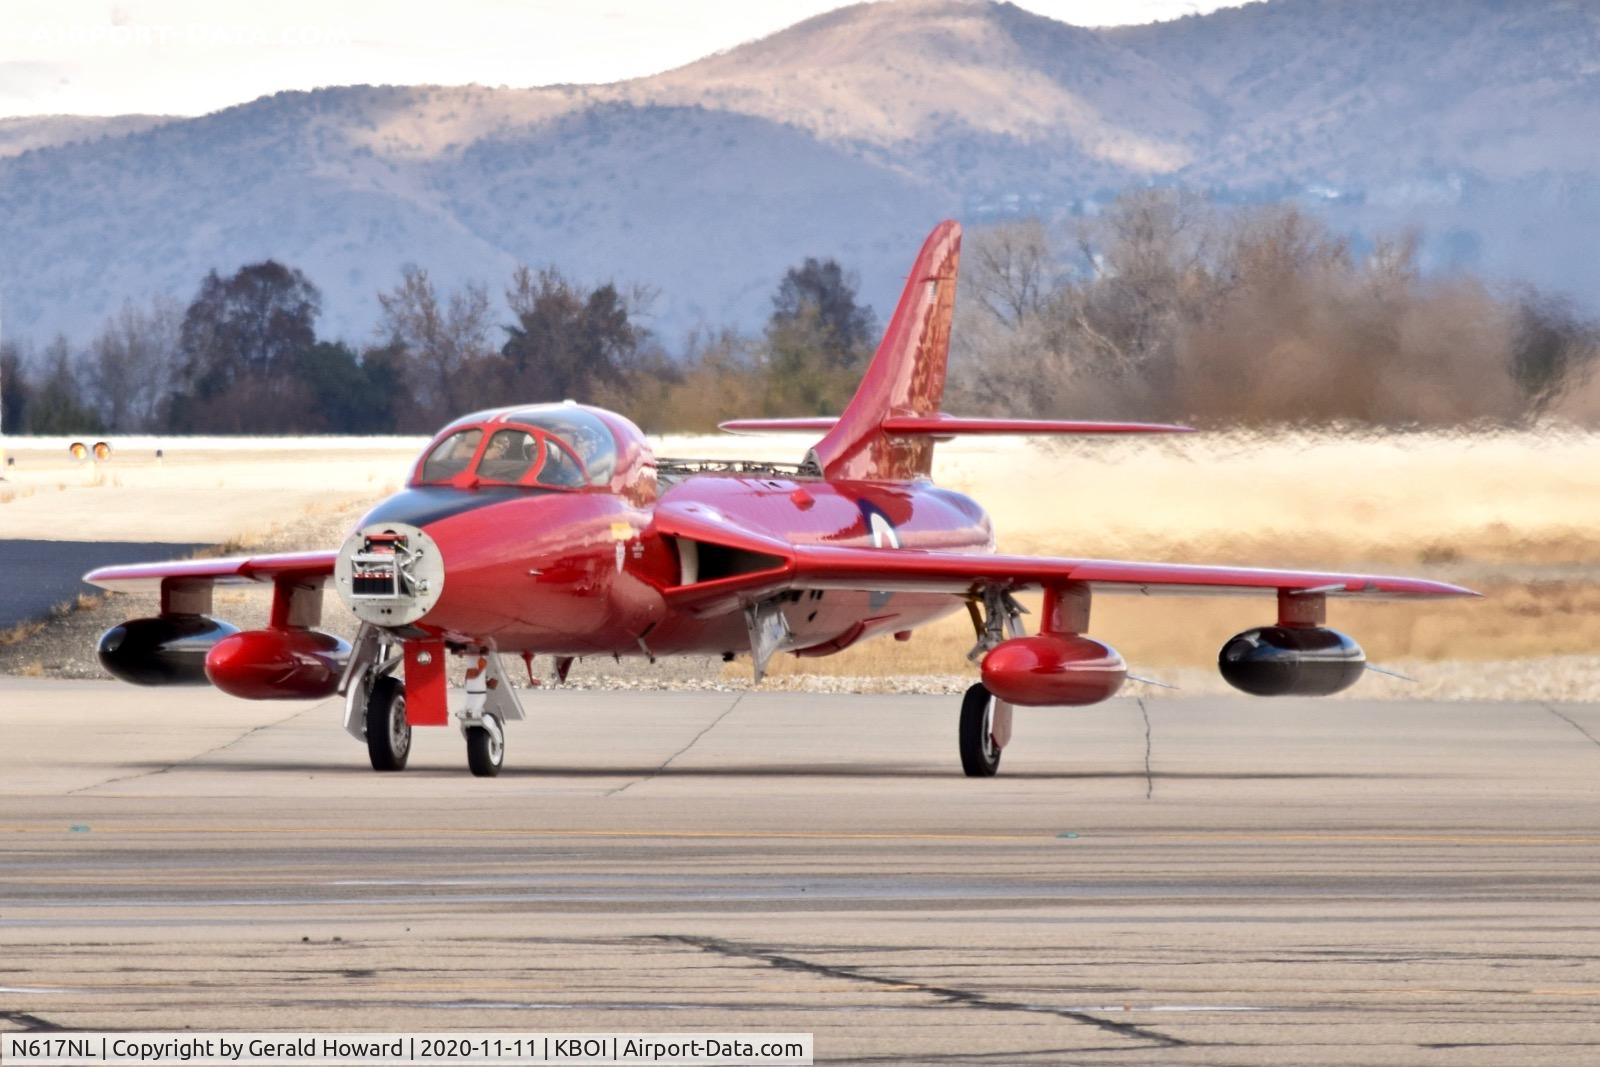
(389, 573)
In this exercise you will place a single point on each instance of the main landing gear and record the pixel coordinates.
(985, 729)
(985, 726)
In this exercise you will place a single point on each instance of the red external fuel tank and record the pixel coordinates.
(277, 664)
(1053, 670)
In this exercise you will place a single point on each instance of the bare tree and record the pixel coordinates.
(131, 365)
(1011, 271)
(443, 339)
(1175, 307)
(1150, 260)
(56, 404)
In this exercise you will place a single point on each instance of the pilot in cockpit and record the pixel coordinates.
(559, 467)
(508, 457)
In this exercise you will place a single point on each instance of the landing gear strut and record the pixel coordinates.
(986, 721)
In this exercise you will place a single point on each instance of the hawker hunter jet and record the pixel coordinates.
(555, 530)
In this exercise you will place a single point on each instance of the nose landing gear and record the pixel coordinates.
(375, 702)
(388, 732)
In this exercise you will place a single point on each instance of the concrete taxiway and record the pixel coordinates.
(1183, 881)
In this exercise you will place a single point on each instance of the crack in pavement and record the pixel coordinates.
(200, 755)
(668, 761)
(29, 1023)
(1149, 779)
(1571, 722)
(958, 997)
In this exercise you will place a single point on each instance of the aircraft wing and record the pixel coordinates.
(827, 566)
(877, 569)
(800, 567)
(233, 570)
(734, 564)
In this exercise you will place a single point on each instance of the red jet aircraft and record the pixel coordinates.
(553, 529)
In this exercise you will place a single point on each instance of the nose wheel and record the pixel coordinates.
(486, 747)
(980, 733)
(388, 732)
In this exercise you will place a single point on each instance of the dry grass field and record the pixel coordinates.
(190, 494)
(1515, 515)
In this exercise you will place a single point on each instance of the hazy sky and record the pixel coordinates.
(103, 57)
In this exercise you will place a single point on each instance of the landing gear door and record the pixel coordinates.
(769, 632)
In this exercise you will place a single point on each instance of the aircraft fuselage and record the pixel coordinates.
(584, 573)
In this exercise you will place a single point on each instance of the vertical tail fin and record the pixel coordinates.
(905, 377)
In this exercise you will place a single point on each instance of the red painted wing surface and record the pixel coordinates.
(894, 570)
(232, 570)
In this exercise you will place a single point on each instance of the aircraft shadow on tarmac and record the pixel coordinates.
(753, 770)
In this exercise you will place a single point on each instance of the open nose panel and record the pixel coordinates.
(389, 573)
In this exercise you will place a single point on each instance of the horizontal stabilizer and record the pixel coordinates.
(777, 425)
(956, 426)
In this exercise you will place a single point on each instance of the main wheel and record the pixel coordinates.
(980, 756)
(486, 748)
(388, 733)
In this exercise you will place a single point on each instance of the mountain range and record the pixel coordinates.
(847, 135)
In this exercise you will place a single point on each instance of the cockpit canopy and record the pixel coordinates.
(549, 446)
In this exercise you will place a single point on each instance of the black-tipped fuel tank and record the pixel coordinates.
(165, 650)
(1274, 661)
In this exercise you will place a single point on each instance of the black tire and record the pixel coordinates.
(980, 758)
(388, 733)
(485, 755)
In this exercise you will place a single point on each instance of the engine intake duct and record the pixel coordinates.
(165, 650)
(1274, 661)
